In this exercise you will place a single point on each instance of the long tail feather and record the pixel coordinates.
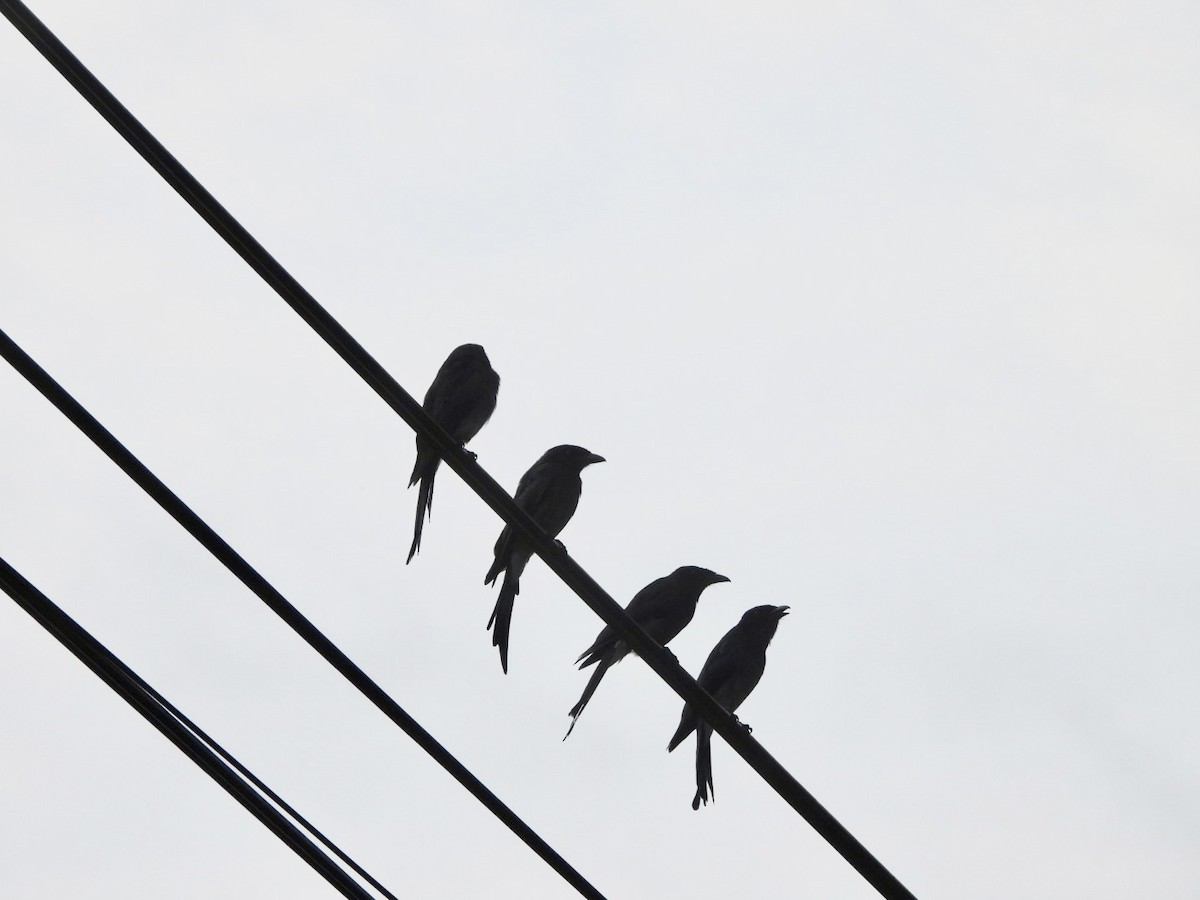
(502, 616)
(424, 510)
(593, 683)
(687, 724)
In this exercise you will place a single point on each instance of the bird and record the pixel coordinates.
(662, 608)
(730, 673)
(461, 399)
(549, 493)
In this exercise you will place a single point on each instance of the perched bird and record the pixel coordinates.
(549, 493)
(461, 399)
(663, 608)
(730, 673)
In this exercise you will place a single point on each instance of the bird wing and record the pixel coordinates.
(550, 496)
(733, 669)
(663, 608)
(463, 396)
(649, 608)
(534, 495)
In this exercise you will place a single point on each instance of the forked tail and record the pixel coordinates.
(424, 510)
(703, 766)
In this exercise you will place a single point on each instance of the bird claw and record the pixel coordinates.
(561, 546)
(749, 730)
(471, 453)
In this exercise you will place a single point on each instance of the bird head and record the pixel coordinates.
(571, 456)
(465, 353)
(698, 575)
(763, 620)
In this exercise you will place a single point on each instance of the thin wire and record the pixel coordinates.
(353, 353)
(249, 576)
(253, 779)
(121, 679)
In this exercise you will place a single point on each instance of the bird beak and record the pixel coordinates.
(717, 579)
(594, 458)
(782, 611)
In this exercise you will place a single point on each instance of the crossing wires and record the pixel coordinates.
(181, 731)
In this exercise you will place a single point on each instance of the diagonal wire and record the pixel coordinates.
(232, 761)
(174, 727)
(249, 576)
(353, 353)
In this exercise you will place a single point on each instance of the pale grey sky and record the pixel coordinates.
(887, 313)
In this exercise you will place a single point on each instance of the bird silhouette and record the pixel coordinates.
(730, 673)
(461, 399)
(662, 608)
(549, 493)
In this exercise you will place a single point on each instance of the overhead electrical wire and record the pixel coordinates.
(177, 729)
(458, 459)
(253, 779)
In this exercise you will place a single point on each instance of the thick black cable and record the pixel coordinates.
(116, 674)
(463, 463)
(249, 576)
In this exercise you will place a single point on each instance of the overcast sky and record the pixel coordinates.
(889, 312)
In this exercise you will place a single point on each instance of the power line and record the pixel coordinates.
(353, 353)
(253, 779)
(249, 576)
(175, 728)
